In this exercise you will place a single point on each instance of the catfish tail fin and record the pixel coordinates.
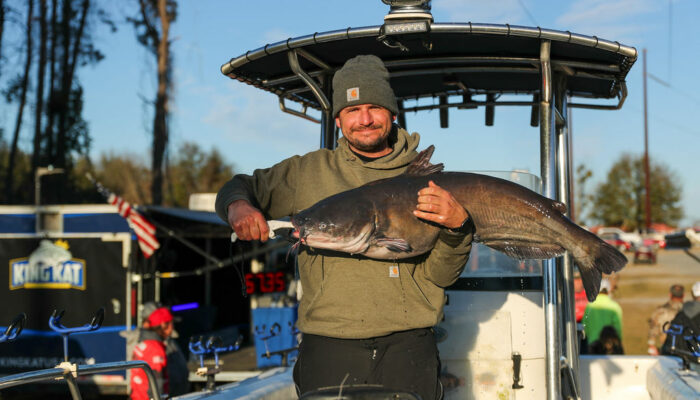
(601, 258)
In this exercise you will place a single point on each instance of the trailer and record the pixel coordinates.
(71, 258)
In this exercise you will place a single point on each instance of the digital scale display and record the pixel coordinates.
(265, 282)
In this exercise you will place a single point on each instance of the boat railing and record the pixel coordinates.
(70, 372)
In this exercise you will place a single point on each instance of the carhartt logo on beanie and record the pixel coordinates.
(363, 80)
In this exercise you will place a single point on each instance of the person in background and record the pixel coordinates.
(661, 315)
(602, 312)
(688, 318)
(608, 342)
(151, 348)
(580, 303)
(176, 361)
(580, 299)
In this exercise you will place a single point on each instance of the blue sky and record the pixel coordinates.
(246, 126)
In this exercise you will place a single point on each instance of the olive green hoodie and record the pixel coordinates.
(351, 296)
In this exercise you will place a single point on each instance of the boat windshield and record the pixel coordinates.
(486, 262)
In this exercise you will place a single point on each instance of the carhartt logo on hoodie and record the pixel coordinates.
(394, 271)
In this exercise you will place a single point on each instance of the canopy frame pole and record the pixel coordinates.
(329, 134)
(309, 81)
(565, 264)
(548, 171)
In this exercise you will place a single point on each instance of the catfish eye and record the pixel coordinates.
(322, 225)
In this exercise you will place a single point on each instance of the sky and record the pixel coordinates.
(247, 127)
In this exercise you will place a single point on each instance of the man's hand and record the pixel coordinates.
(438, 205)
(247, 221)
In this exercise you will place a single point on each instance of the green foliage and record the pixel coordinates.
(126, 175)
(22, 186)
(620, 200)
(77, 135)
(193, 171)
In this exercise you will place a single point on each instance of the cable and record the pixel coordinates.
(239, 269)
(528, 12)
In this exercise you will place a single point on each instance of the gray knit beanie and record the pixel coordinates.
(363, 80)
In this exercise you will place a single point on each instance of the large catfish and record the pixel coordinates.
(376, 220)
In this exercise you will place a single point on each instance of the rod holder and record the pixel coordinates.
(55, 325)
(14, 329)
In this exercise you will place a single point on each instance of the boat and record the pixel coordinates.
(530, 305)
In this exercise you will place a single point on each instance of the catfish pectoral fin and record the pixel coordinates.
(394, 244)
(525, 250)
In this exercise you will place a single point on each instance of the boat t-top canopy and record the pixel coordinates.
(442, 59)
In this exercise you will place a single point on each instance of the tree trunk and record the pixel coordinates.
(51, 110)
(70, 57)
(160, 128)
(62, 100)
(41, 71)
(22, 100)
(2, 27)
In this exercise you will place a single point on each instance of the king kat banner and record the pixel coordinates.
(50, 266)
(78, 275)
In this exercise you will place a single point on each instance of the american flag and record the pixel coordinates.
(144, 230)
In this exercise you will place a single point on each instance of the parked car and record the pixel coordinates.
(614, 240)
(646, 253)
(654, 239)
(633, 238)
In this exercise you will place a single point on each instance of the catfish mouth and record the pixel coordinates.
(350, 243)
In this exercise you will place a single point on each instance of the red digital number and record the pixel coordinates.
(280, 283)
(249, 284)
(265, 282)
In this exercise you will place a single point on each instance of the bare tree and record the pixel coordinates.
(51, 112)
(68, 62)
(23, 84)
(153, 28)
(41, 72)
(2, 28)
(63, 33)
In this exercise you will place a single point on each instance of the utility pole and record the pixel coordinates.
(647, 199)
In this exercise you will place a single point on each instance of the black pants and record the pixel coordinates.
(405, 361)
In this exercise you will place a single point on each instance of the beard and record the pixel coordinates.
(377, 143)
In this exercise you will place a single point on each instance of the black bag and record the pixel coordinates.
(682, 335)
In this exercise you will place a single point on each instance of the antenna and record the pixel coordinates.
(408, 9)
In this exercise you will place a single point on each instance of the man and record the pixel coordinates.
(363, 321)
(661, 315)
(688, 318)
(602, 312)
(151, 348)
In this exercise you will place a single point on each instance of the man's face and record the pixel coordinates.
(366, 127)
(165, 329)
